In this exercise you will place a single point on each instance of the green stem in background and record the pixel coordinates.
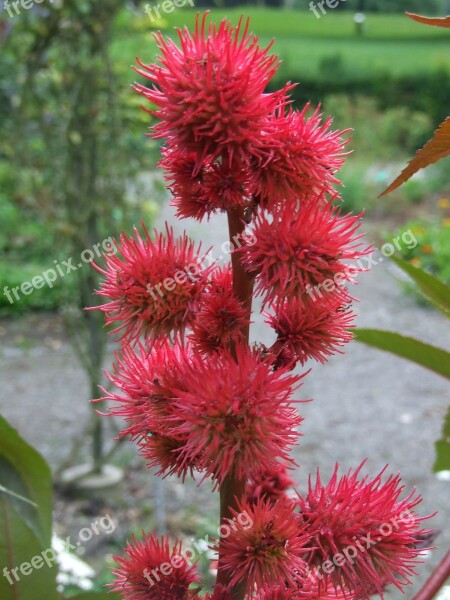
(233, 488)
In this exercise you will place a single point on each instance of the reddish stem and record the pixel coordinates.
(436, 581)
(242, 282)
(233, 488)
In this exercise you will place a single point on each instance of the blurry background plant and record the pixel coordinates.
(428, 269)
(432, 253)
(50, 50)
(66, 184)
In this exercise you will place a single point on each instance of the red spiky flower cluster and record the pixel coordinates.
(153, 285)
(363, 536)
(270, 550)
(139, 573)
(194, 394)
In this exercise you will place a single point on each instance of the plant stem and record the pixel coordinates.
(436, 581)
(242, 282)
(233, 488)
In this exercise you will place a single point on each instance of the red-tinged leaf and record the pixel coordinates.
(436, 22)
(434, 150)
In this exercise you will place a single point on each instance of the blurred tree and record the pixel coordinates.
(432, 7)
(66, 124)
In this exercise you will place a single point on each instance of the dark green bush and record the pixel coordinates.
(423, 92)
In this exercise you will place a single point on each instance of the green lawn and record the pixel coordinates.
(392, 43)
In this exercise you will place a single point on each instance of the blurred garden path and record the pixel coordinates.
(366, 403)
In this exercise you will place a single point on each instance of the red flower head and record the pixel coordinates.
(214, 187)
(145, 381)
(311, 328)
(304, 590)
(152, 571)
(235, 413)
(220, 593)
(210, 92)
(363, 534)
(142, 378)
(269, 484)
(221, 317)
(269, 550)
(304, 156)
(155, 286)
(298, 248)
(277, 593)
(168, 455)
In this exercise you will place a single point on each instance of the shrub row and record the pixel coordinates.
(423, 92)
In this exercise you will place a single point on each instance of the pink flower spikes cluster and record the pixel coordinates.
(196, 396)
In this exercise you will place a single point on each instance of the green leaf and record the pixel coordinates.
(18, 496)
(25, 534)
(442, 462)
(443, 448)
(425, 355)
(437, 292)
(25, 473)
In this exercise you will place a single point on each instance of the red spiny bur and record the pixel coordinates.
(240, 418)
(210, 91)
(141, 572)
(153, 286)
(146, 380)
(303, 155)
(197, 397)
(299, 245)
(307, 590)
(221, 592)
(270, 484)
(214, 187)
(364, 535)
(221, 318)
(310, 329)
(270, 549)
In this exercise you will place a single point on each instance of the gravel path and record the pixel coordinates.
(366, 403)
